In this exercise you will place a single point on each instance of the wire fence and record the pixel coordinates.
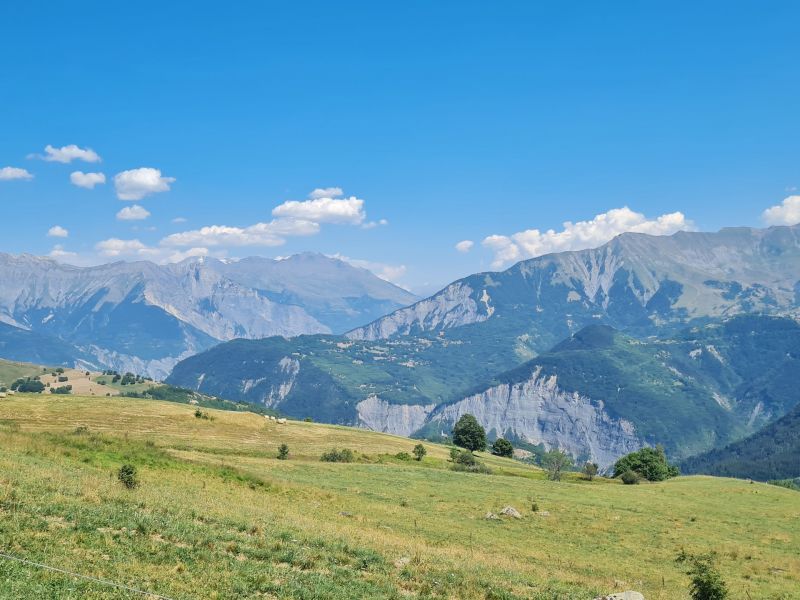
(104, 582)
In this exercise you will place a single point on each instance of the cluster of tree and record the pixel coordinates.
(31, 385)
(345, 455)
(63, 389)
(648, 463)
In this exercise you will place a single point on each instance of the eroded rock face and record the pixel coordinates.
(538, 411)
(400, 419)
(452, 307)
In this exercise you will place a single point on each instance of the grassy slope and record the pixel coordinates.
(217, 516)
(10, 371)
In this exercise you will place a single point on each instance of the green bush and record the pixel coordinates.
(64, 389)
(467, 463)
(707, 583)
(630, 477)
(502, 447)
(650, 463)
(403, 456)
(419, 452)
(28, 385)
(590, 470)
(469, 434)
(127, 476)
(283, 452)
(344, 455)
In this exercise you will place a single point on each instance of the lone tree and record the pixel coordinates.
(469, 434)
(419, 451)
(555, 462)
(649, 463)
(502, 447)
(283, 452)
(590, 470)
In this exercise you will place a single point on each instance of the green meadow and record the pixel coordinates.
(216, 515)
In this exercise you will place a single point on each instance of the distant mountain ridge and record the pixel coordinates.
(145, 317)
(415, 370)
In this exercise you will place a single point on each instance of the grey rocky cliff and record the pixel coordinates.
(539, 412)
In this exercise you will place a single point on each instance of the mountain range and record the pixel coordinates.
(144, 317)
(643, 340)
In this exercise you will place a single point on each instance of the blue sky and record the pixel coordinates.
(451, 121)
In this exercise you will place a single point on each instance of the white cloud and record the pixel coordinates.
(87, 180)
(115, 247)
(348, 211)
(179, 220)
(273, 233)
(10, 173)
(178, 255)
(373, 224)
(58, 252)
(581, 235)
(465, 246)
(57, 231)
(66, 154)
(328, 192)
(133, 213)
(785, 213)
(135, 184)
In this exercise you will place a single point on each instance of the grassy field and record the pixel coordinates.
(217, 516)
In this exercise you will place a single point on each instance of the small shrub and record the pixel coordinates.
(590, 470)
(465, 458)
(403, 456)
(81, 430)
(707, 583)
(199, 414)
(555, 462)
(502, 447)
(308, 420)
(454, 454)
(467, 463)
(534, 506)
(283, 452)
(419, 452)
(127, 476)
(344, 455)
(630, 478)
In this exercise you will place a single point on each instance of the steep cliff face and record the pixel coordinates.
(400, 419)
(538, 411)
(452, 307)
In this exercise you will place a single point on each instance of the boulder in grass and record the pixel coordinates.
(490, 516)
(629, 595)
(512, 512)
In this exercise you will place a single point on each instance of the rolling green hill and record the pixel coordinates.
(698, 389)
(216, 515)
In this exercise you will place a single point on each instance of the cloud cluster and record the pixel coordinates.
(11, 173)
(273, 233)
(785, 213)
(133, 213)
(581, 235)
(66, 154)
(87, 180)
(328, 192)
(135, 184)
(343, 211)
(57, 231)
